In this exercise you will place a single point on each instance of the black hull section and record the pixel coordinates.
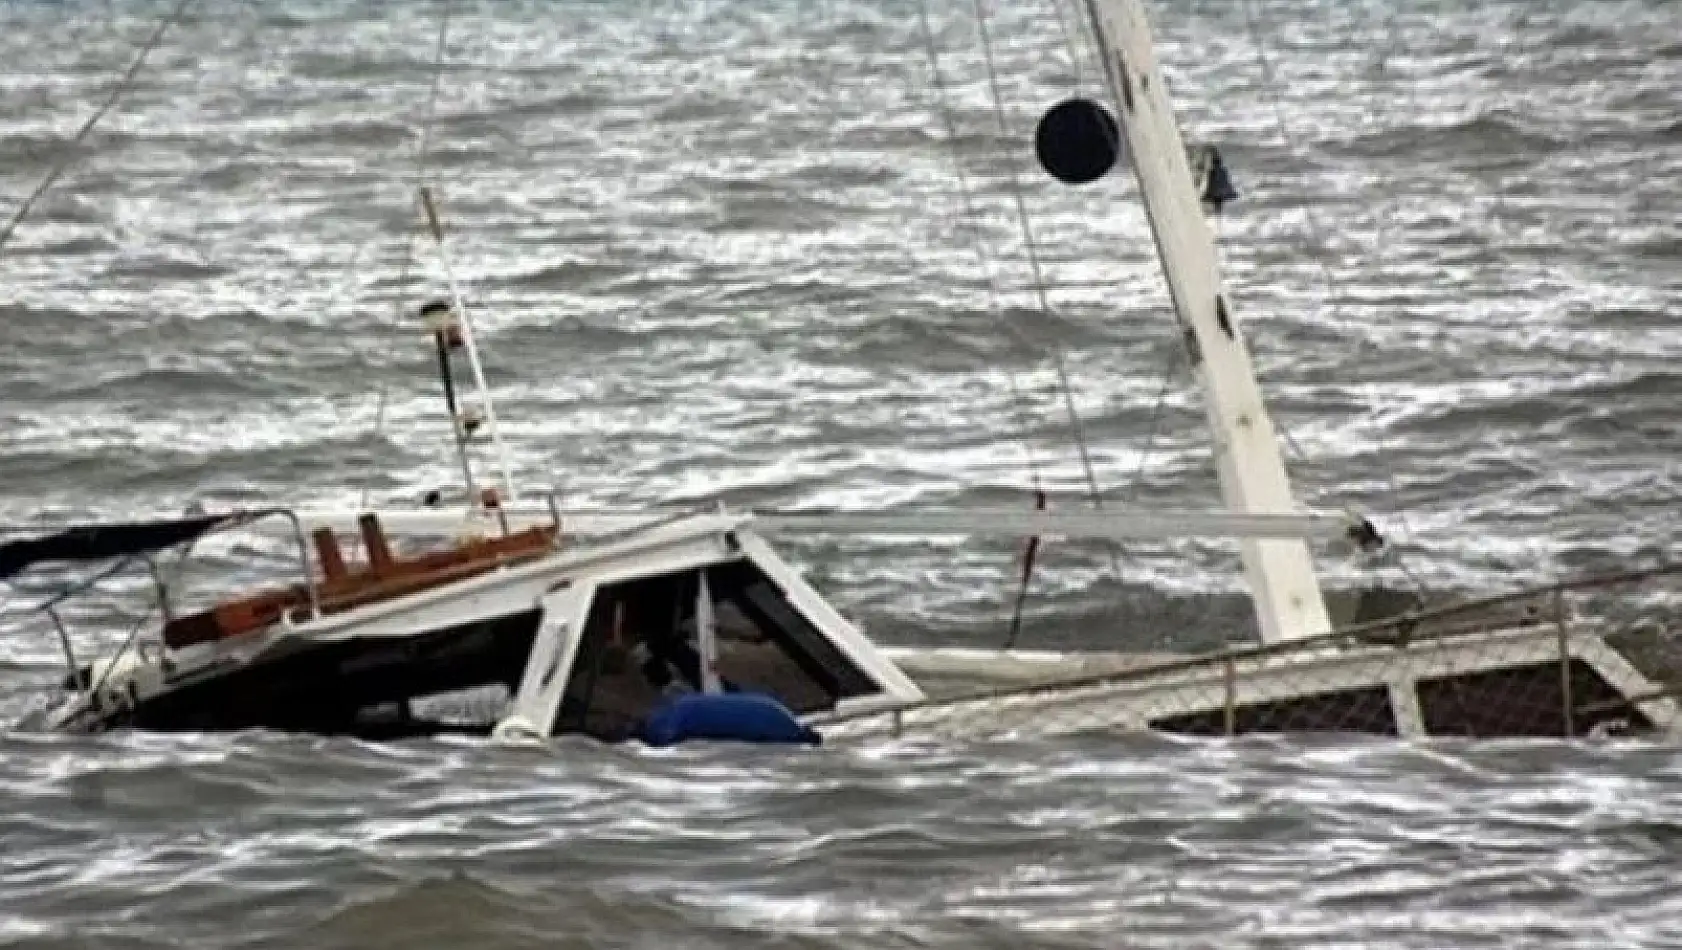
(359, 688)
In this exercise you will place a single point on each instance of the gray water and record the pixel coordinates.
(716, 250)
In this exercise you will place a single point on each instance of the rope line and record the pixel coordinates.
(978, 243)
(406, 263)
(1168, 374)
(124, 84)
(1077, 429)
(1331, 295)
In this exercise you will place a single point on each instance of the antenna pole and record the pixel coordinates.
(485, 403)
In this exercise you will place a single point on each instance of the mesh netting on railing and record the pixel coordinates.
(1525, 664)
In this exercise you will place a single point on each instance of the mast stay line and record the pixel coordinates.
(992, 522)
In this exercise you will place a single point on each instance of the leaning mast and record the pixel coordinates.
(1287, 597)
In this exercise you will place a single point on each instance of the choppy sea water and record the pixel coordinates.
(716, 250)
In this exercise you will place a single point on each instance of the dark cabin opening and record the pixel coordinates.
(639, 646)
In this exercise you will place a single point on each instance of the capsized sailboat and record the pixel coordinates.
(556, 626)
(553, 634)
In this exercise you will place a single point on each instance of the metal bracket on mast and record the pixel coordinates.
(1286, 594)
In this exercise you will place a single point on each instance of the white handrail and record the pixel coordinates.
(993, 522)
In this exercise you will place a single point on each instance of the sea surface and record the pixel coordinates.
(731, 250)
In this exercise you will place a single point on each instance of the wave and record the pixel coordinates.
(1494, 134)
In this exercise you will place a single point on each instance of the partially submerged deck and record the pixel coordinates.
(1516, 665)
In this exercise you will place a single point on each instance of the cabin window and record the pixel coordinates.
(1527, 700)
(1364, 710)
(639, 646)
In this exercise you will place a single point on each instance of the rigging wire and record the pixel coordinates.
(1031, 245)
(1070, 41)
(128, 641)
(831, 23)
(1381, 65)
(1169, 372)
(124, 84)
(978, 243)
(1331, 294)
(423, 147)
(1172, 365)
(411, 234)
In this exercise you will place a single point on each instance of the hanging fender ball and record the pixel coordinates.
(1077, 141)
(737, 717)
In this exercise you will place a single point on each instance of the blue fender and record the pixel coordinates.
(738, 717)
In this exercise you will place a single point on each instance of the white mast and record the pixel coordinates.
(1286, 595)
